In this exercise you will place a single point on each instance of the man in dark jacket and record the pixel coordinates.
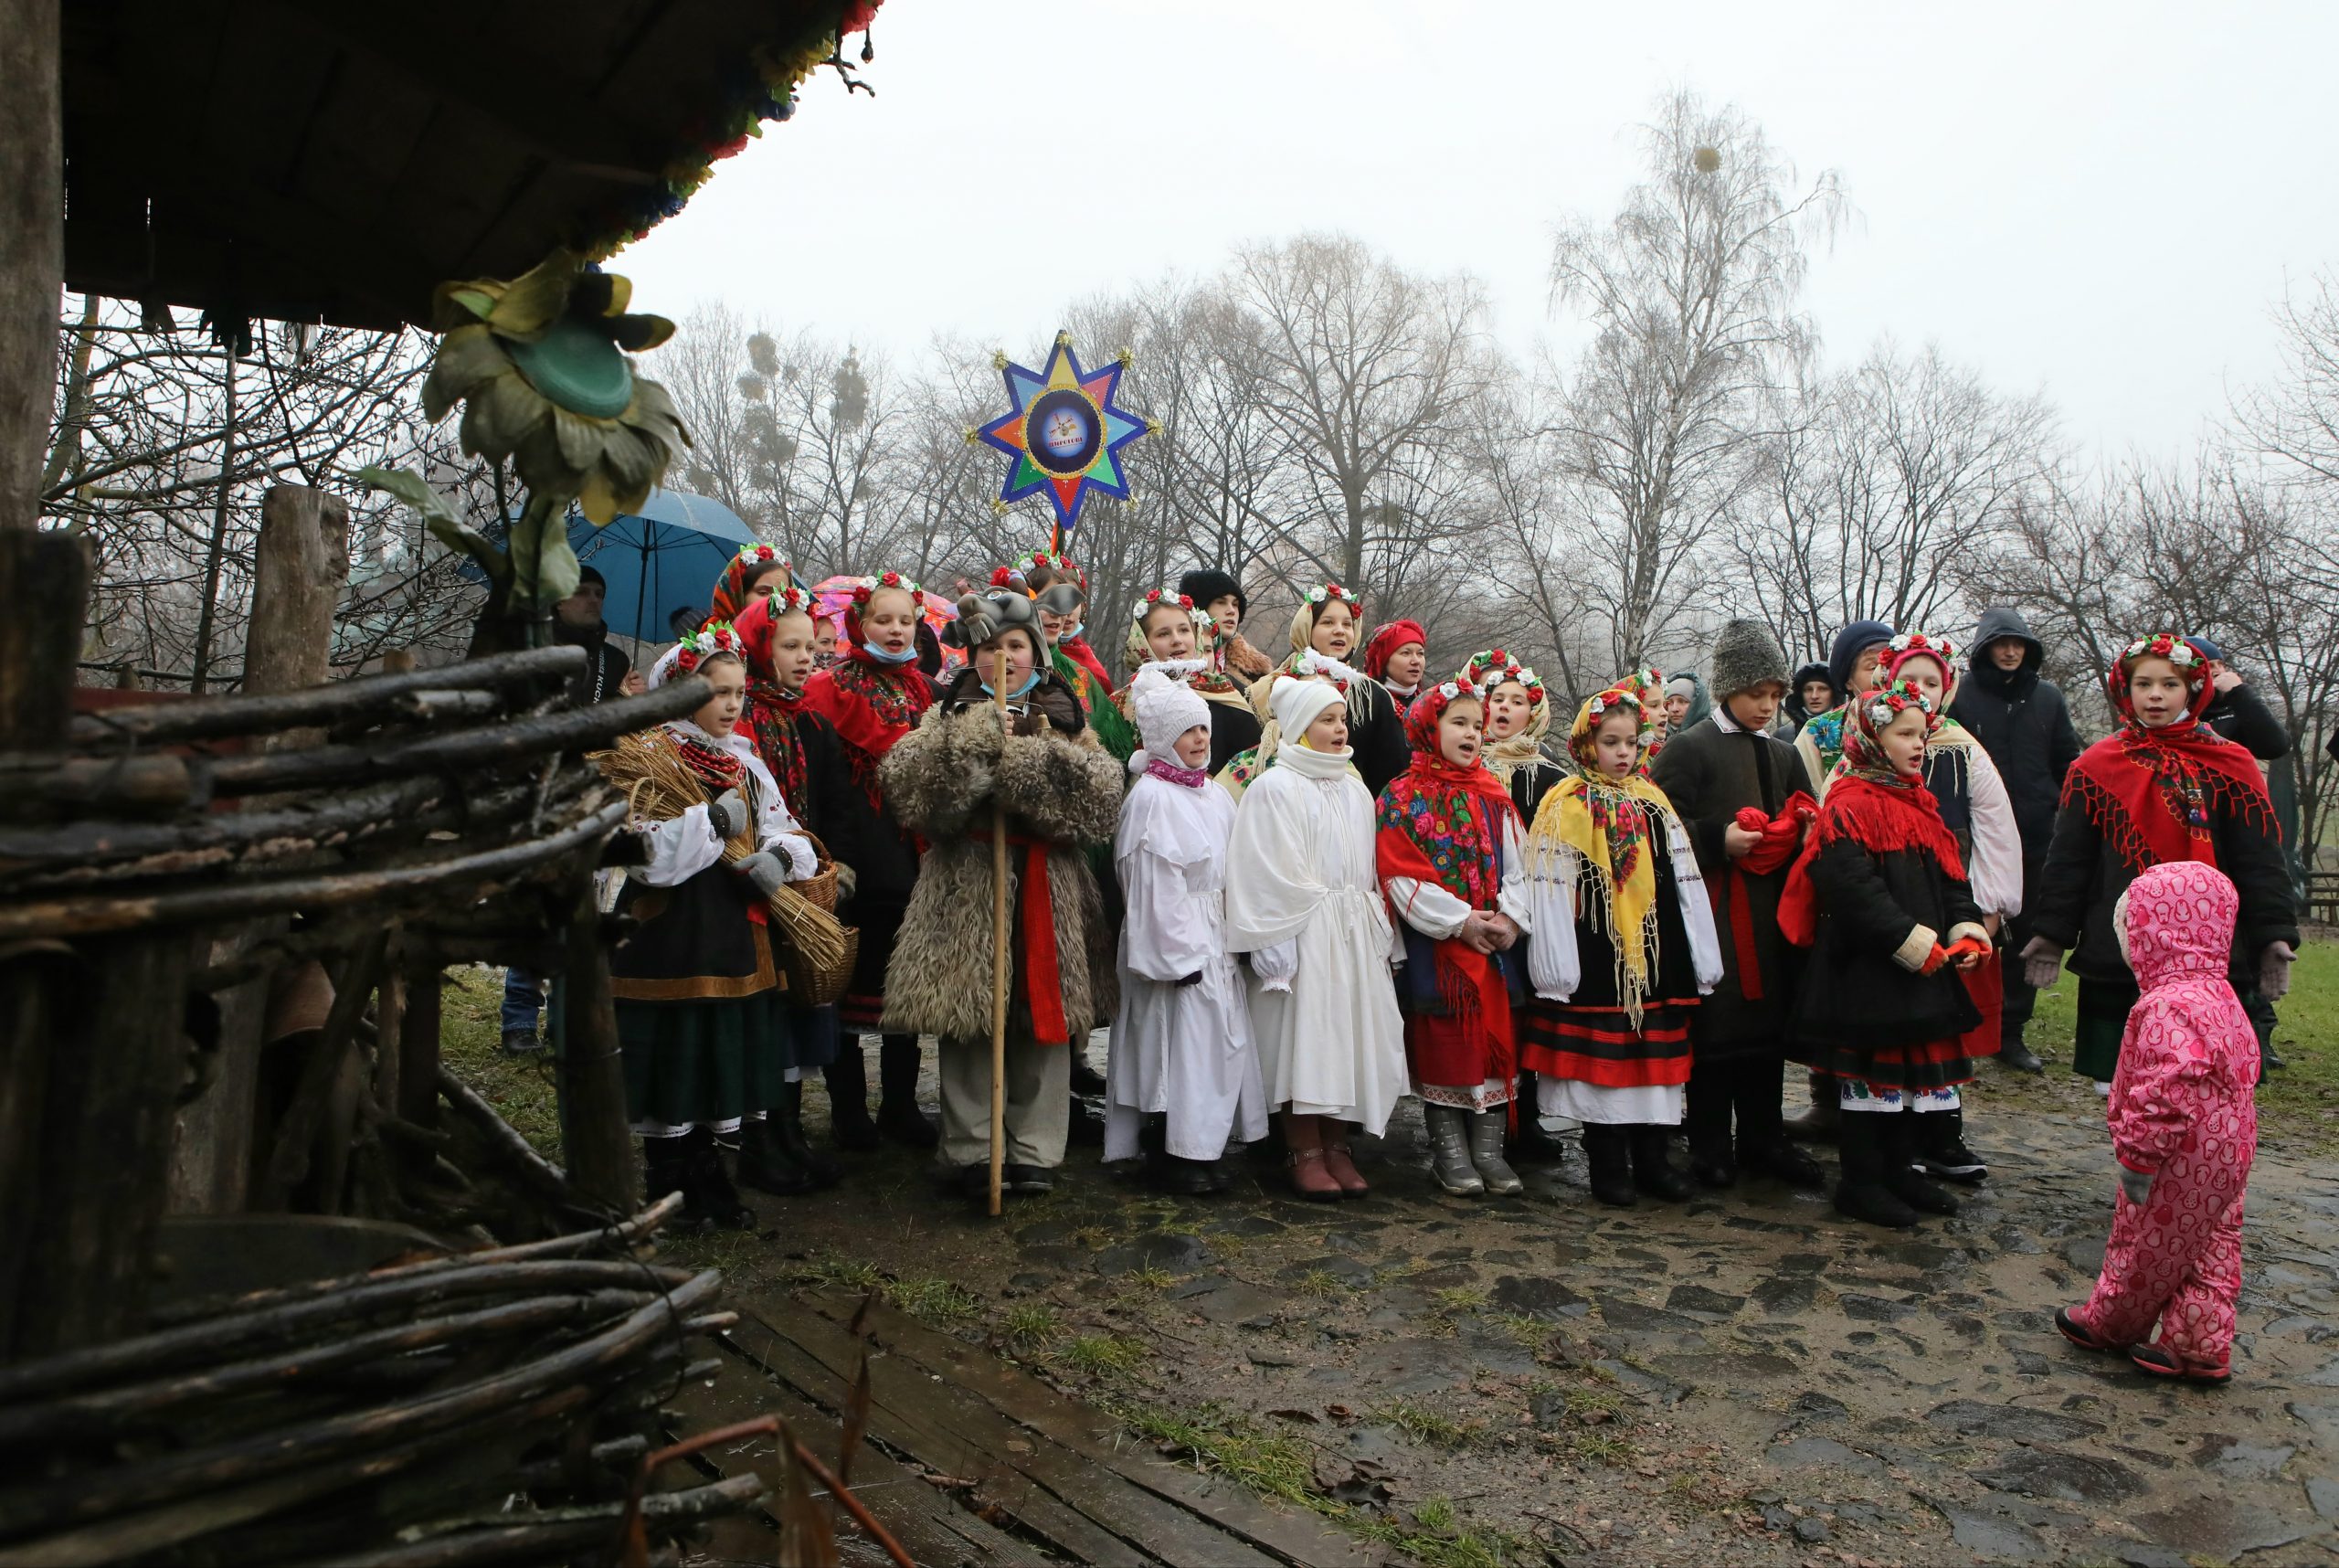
(2023, 723)
(2242, 716)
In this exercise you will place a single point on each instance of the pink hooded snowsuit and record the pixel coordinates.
(2183, 1109)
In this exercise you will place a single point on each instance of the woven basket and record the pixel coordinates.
(819, 889)
(812, 984)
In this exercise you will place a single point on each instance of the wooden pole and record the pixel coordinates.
(998, 976)
(595, 1136)
(32, 250)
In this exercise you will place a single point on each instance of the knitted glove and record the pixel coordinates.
(2137, 1184)
(763, 869)
(1934, 960)
(847, 880)
(728, 815)
(2274, 970)
(1967, 951)
(2042, 962)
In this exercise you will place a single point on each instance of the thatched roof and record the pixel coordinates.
(324, 160)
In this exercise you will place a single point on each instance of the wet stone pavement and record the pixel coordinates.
(1746, 1378)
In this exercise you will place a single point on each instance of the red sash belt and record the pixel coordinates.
(1042, 982)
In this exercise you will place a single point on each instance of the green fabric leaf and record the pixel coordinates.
(445, 526)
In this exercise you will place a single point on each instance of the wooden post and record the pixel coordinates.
(418, 1052)
(32, 250)
(596, 1140)
(999, 969)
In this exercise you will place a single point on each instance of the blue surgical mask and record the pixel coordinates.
(1029, 681)
(903, 657)
(1077, 629)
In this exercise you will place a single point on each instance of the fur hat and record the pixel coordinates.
(1207, 585)
(1746, 655)
(1296, 701)
(1166, 707)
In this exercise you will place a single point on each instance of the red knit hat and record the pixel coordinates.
(1387, 641)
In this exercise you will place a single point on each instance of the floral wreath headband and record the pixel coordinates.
(758, 554)
(793, 600)
(2164, 645)
(867, 589)
(1155, 598)
(1494, 668)
(1602, 702)
(715, 637)
(1331, 593)
(1940, 648)
(1054, 561)
(1884, 706)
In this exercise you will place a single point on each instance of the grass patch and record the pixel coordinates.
(1583, 1401)
(1436, 1539)
(2298, 1107)
(1319, 1282)
(1531, 1332)
(1032, 1326)
(1458, 1298)
(1600, 1449)
(1153, 1279)
(1420, 1423)
(936, 1302)
(1217, 1441)
(471, 1043)
(1103, 1355)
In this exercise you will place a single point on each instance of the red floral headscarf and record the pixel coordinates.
(739, 576)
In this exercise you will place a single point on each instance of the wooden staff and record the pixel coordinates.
(999, 942)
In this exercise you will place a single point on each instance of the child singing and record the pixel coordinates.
(1182, 1050)
(1624, 947)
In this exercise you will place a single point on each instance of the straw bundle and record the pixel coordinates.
(650, 768)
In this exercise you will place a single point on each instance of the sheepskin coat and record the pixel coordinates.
(1063, 789)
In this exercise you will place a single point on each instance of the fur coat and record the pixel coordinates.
(1065, 789)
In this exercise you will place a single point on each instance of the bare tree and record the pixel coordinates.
(1691, 290)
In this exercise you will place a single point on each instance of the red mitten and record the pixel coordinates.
(1966, 947)
(1934, 960)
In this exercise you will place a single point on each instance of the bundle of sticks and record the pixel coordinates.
(421, 1414)
(650, 768)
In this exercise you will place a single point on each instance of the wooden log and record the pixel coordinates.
(416, 1045)
(595, 1136)
(38, 983)
(521, 741)
(99, 914)
(32, 252)
(165, 723)
(548, 1180)
(50, 572)
(297, 1131)
(299, 570)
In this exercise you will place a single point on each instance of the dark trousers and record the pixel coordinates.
(1745, 1086)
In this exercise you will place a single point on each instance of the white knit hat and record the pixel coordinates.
(1166, 707)
(1296, 701)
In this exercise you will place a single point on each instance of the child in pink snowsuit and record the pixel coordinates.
(2184, 1129)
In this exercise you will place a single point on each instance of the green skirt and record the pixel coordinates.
(689, 1062)
(2104, 1009)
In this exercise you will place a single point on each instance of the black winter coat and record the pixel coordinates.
(2024, 724)
(1378, 739)
(1879, 915)
(2070, 902)
(1709, 773)
(2242, 716)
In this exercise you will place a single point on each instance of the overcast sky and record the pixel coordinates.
(2100, 201)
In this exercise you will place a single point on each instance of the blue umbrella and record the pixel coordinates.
(664, 558)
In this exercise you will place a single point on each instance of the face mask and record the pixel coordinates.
(1029, 681)
(903, 657)
(1077, 629)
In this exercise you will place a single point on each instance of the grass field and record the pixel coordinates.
(2297, 1105)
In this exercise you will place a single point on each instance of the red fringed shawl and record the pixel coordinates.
(872, 705)
(1884, 819)
(2151, 793)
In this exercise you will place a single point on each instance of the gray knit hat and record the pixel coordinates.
(1746, 655)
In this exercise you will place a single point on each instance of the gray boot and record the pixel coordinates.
(1486, 1151)
(1818, 1124)
(1449, 1147)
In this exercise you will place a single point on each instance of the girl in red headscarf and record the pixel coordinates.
(873, 697)
(757, 571)
(1397, 656)
(1448, 852)
(1879, 894)
(2164, 786)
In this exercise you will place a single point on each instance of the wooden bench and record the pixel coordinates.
(2322, 897)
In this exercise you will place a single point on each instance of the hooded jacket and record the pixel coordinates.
(2022, 721)
(2182, 1101)
(1792, 714)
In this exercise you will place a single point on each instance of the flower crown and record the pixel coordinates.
(1155, 598)
(1615, 696)
(1333, 670)
(756, 554)
(2163, 645)
(794, 600)
(866, 587)
(1331, 593)
(1494, 667)
(715, 637)
(1054, 561)
(1889, 703)
(1941, 648)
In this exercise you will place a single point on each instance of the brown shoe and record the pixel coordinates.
(1310, 1179)
(1343, 1171)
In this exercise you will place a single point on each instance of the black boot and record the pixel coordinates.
(786, 1123)
(848, 1081)
(665, 1163)
(1712, 1162)
(898, 1116)
(1940, 1148)
(1608, 1149)
(1861, 1193)
(1899, 1141)
(1755, 1090)
(707, 1186)
(1530, 1144)
(2014, 1054)
(766, 1165)
(1654, 1171)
